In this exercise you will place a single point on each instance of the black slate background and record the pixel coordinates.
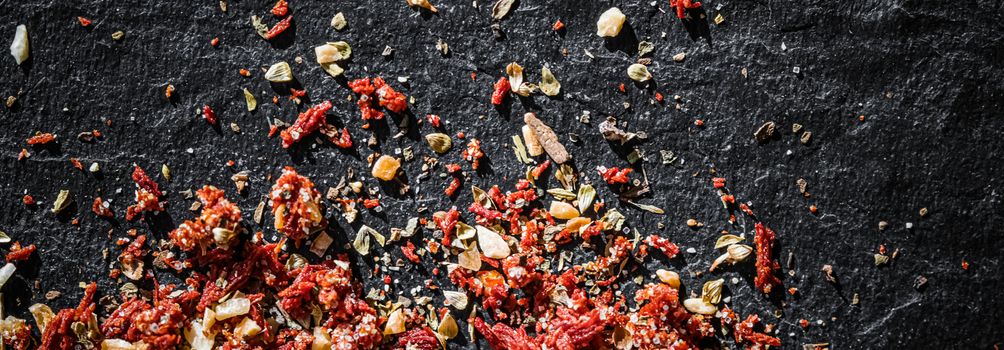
(926, 74)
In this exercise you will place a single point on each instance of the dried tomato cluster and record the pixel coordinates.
(147, 195)
(218, 222)
(614, 175)
(308, 122)
(296, 205)
(384, 95)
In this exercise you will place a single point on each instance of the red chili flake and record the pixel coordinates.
(622, 88)
(658, 97)
(813, 209)
(272, 130)
(474, 76)
(245, 72)
(728, 198)
(84, 22)
(231, 163)
(409, 252)
(421, 338)
(538, 170)
(719, 182)
(447, 223)
(861, 118)
(453, 187)
(804, 323)
(558, 26)
(215, 42)
(452, 168)
(23, 154)
(882, 249)
(76, 163)
(19, 253)
(502, 90)
(699, 122)
(371, 203)
(433, 120)
(664, 245)
(473, 153)
(278, 28)
(614, 175)
(344, 140)
(965, 265)
(28, 200)
(294, 93)
(41, 139)
(209, 115)
(461, 135)
(389, 98)
(792, 290)
(682, 6)
(306, 123)
(101, 208)
(144, 182)
(169, 91)
(765, 279)
(280, 9)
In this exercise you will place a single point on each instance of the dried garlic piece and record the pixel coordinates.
(549, 85)
(333, 52)
(425, 4)
(699, 306)
(670, 278)
(610, 23)
(458, 300)
(448, 327)
(727, 240)
(492, 243)
(63, 201)
(19, 47)
(638, 72)
(533, 147)
(385, 168)
(338, 22)
(279, 73)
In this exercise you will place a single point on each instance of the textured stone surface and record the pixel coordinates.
(927, 76)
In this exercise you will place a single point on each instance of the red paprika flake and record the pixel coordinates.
(306, 123)
(473, 153)
(84, 22)
(766, 266)
(41, 139)
(658, 97)
(101, 208)
(453, 187)
(433, 120)
(280, 9)
(371, 203)
(681, 7)
(144, 182)
(502, 89)
(614, 175)
(344, 139)
(19, 253)
(409, 252)
(76, 163)
(215, 42)
(209, 114)
(278, 28)
(558, 26)
(28, 200)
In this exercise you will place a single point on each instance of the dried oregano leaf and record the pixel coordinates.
(562, 194)
(712, 291)
(586, 196)
(362, 242)
(639, 73)
(645, 47)
(4, 238)
(520, 149)
(648, 208)
(250, 100)
(549, 85)
(259, 27)
(727, 240)
(502, 8)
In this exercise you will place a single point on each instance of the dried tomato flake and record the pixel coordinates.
(20, 253)
(84, 22)
(681, 7)
(28, 200)
(278, 28)
(306, 123)
(558, 26)
(215, 42)
(41, 139)
(101, 208)
(209, 114)
(281, 8)
(614, 175)
(501, 91)
(433, 120)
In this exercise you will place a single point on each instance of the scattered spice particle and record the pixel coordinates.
(84, 22)
(215, 42)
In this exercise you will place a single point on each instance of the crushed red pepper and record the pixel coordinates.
(296, 205)
(307, 123)
(766, 266)
(501, 91)
(20, 253)
(281, 8)
(278, 28)
(41, 139)
(681, 7)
